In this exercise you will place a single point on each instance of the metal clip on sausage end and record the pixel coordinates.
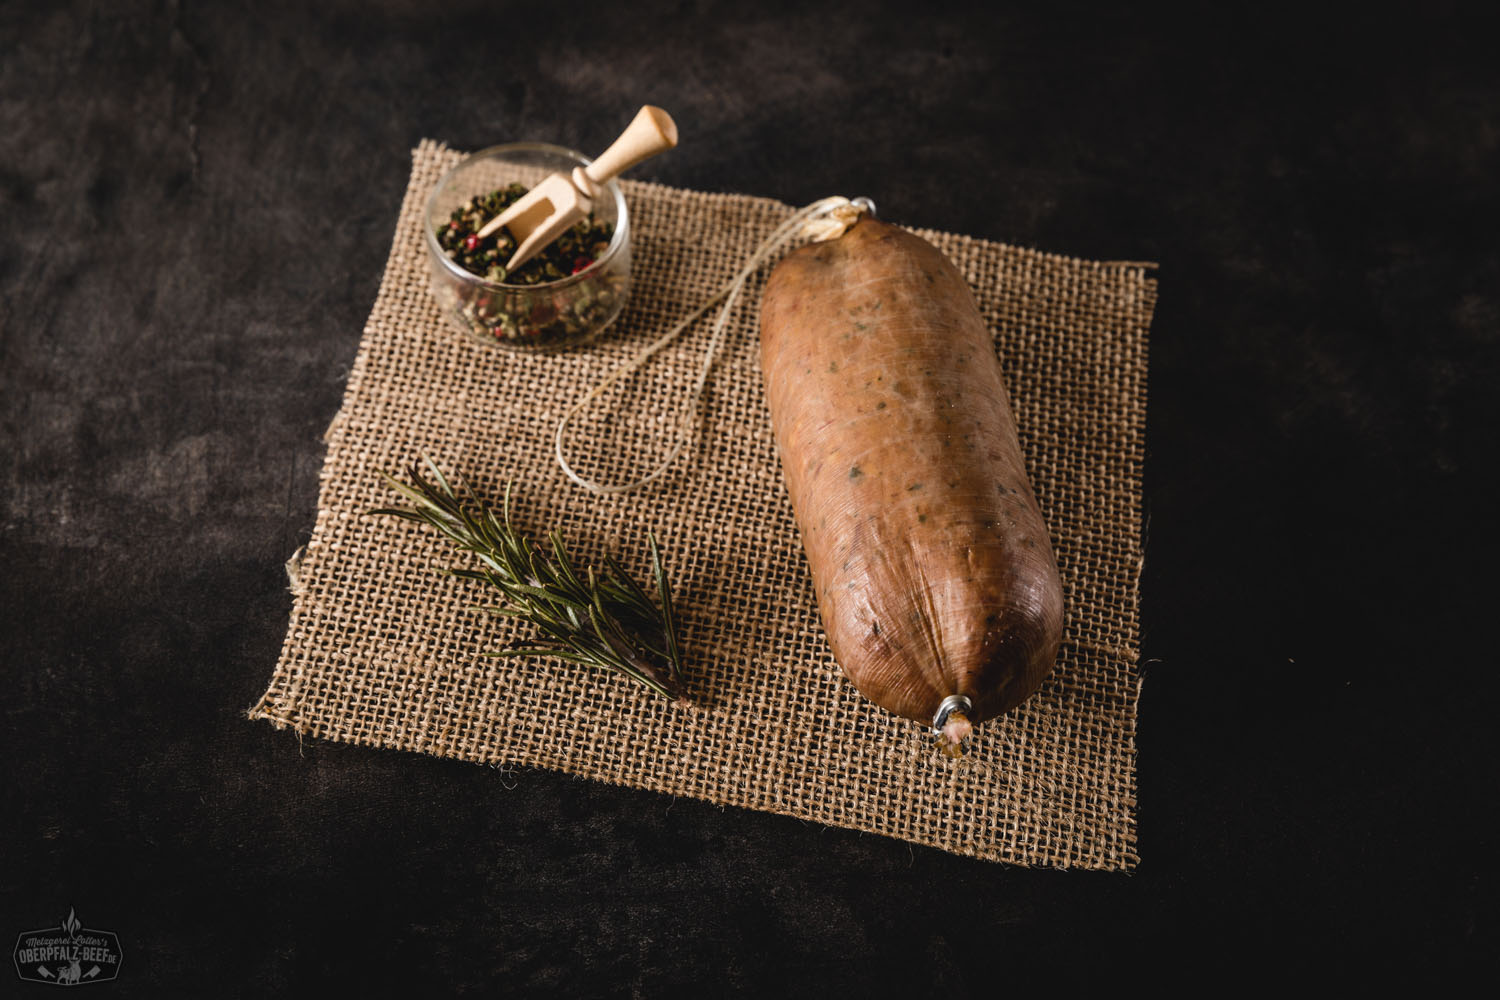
(833, 221)
(954, 709)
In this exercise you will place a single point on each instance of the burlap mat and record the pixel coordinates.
(381, 651)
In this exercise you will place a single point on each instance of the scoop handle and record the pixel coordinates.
(652, 131)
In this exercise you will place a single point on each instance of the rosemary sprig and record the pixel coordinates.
(605, 618)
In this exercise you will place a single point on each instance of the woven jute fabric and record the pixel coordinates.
(382, 649)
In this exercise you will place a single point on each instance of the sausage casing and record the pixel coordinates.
(932, 564)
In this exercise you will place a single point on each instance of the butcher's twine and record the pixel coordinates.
(823, 220)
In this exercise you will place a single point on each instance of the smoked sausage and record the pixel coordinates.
(932, 565)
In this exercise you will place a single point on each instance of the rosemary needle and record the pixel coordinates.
(602, 618)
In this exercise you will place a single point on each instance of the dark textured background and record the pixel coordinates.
(196, 201)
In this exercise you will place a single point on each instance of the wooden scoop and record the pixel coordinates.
(549, 209)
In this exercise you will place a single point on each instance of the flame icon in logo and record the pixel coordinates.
(72, 924)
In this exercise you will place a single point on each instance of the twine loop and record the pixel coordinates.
(819, 222)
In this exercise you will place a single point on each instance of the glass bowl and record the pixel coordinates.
(544, 317)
